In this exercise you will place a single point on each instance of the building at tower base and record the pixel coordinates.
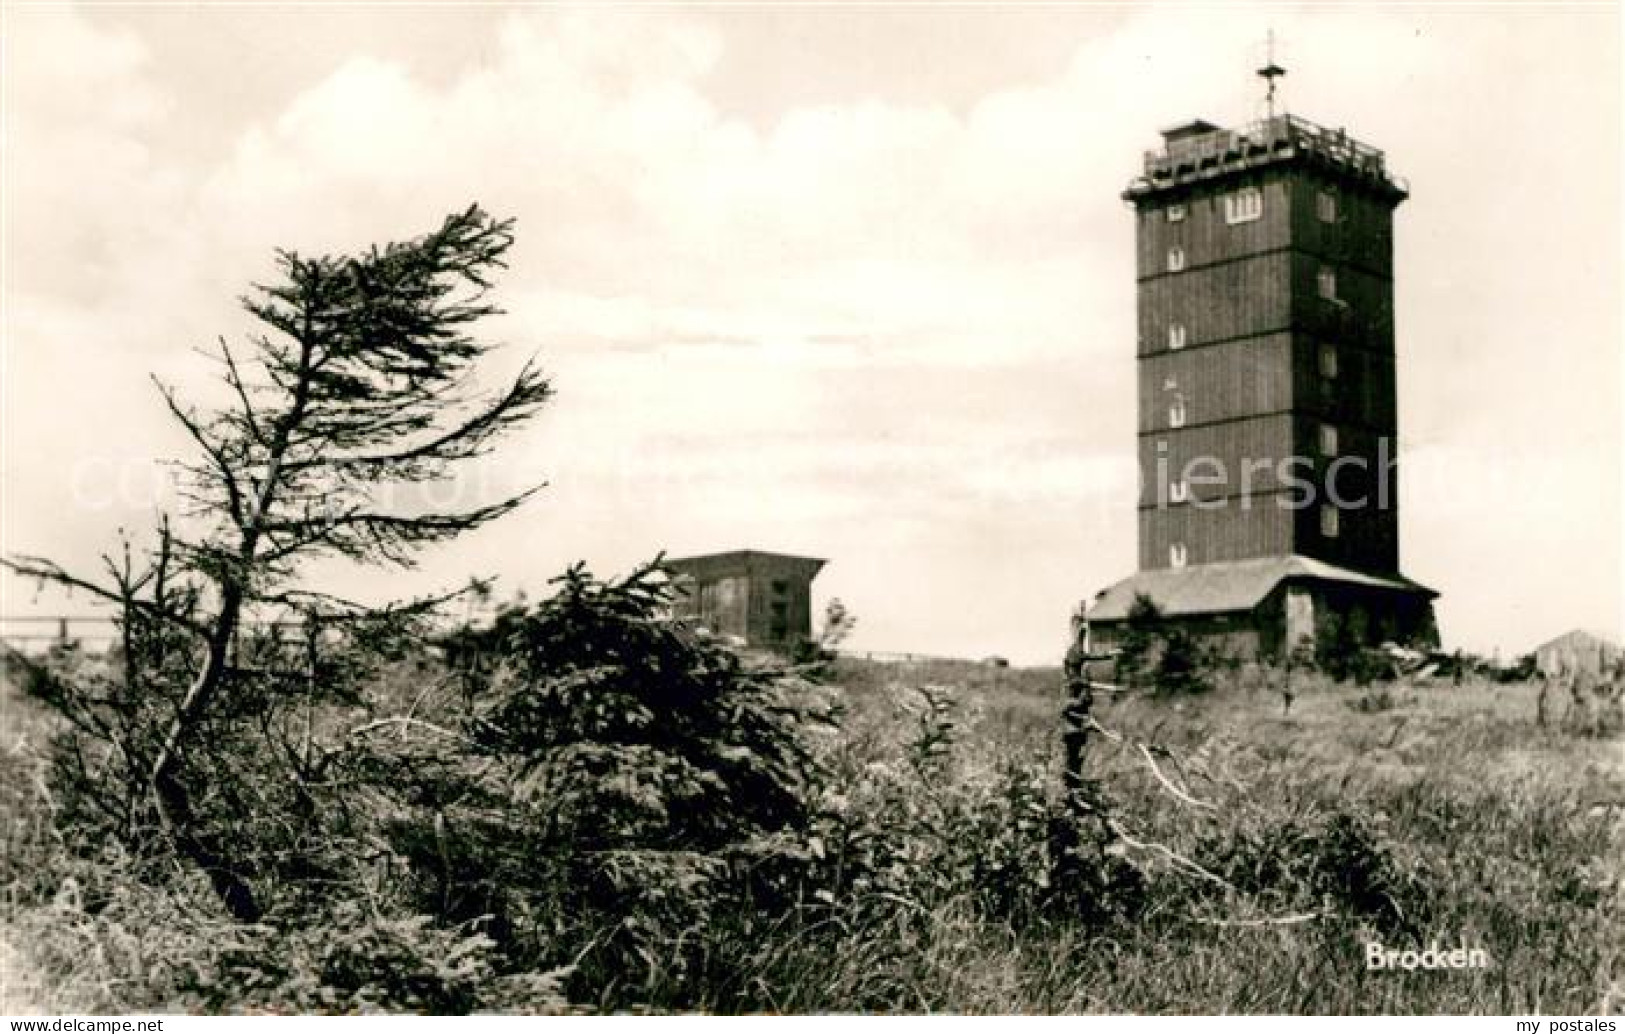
(1264, 607)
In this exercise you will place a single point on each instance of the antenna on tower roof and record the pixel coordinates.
(1270, 72)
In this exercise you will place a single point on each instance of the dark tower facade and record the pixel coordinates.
(1266, 347)
(1267, 417)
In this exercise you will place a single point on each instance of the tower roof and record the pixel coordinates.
(1198, 151)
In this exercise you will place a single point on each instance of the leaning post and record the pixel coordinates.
(1079, 835)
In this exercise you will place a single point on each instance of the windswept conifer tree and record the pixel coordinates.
(361, 380)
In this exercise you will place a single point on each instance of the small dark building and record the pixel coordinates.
(763, 600)
(1268, 425)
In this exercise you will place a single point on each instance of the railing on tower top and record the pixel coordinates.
(1266, 137)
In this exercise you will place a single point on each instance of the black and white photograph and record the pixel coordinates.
(806, 508)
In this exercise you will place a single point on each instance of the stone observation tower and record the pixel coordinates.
(1267, 430)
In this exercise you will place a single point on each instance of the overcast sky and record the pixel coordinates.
(853, 282)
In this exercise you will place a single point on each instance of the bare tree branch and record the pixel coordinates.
(42, 569)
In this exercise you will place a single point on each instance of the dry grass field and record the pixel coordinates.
(1274, 845)
(1514, 833)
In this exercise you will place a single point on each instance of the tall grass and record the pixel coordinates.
(1511, 834)
(1473, 824)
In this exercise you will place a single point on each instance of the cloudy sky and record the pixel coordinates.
(853, 282)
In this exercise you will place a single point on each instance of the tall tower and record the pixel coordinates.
(1266, 346)
(1267, 427)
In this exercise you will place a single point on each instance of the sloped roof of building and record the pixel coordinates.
(1229, 587)
(741, 559)
(1580, 646)
(1583, 638)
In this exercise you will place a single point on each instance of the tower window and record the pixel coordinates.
(1176, 259)
(1176, 555)
(1328, 361)
(1176, 213)
(1244, 205)
(1326, 283)
(1328, 440)
(1176, 335)
(1326, 206)
(1328, 521)
(1176, 412)
(1179, 491)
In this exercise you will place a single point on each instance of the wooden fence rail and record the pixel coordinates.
(43, 630)
(23, 630)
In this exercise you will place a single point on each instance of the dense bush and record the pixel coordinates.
(1136, 649)
(1160, 655)
(353, 962)
(1337, 863)
(1183, 665)
(1344, 649)
(618, 780)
